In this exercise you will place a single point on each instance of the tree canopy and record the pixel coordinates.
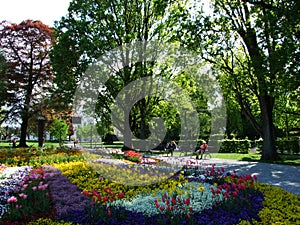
(93, 28)
(254, 44)
(25, 47)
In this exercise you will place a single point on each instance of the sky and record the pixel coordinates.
(47, 11)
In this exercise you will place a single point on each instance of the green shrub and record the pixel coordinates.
(235, 146)
(291, 146)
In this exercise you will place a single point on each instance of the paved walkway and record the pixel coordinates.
(283, 176)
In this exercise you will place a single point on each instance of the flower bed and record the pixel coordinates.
(81, 193)
(176, 200)
(25, 195)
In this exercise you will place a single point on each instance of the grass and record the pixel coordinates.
(255, 157)
(33, 144)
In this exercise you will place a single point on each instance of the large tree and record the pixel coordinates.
(93, 28)
(26, 49)
(3, 89)
(256, 46)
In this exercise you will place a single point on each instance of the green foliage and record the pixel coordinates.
(92, 29)
(290, 146)
(59, 129)
(253, 73)
(25, 47)
(235, 146)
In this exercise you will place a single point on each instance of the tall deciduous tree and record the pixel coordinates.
(93, 28)
(256, 45)
(26, 49)
(3, 89)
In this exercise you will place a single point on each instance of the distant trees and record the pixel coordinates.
(25, 47)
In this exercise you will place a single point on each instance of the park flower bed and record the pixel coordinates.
(25, 195)
(81, 194)
(229, 212)
(173, 200)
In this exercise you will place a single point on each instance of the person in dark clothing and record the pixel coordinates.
(171, 146)
(14, 143)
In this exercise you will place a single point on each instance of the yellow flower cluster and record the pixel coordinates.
(87, 178)
(280, 207)
(48, 221)
(37, 157)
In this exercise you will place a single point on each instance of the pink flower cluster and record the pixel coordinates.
(31, 182)
(148, 161)
(12, 199)
(2, 167)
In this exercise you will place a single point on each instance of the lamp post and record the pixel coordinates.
(41, 128)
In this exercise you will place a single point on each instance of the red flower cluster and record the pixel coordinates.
(133, 154)
(110, 196)
(234, 184)
(171, 204)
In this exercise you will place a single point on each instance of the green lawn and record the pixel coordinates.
(31, 144)
(255, 157)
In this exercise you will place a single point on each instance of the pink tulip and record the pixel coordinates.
(12, 199)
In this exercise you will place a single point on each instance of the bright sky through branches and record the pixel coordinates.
(46, 11)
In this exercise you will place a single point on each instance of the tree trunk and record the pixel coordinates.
(127, 133)
(269, 148)
(41, 128)
(24, 125)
